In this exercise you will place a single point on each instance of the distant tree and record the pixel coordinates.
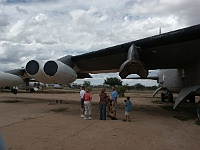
(121, 90)
(151, 87)
(139, 86)
(87, 83)
(113, 81)
(128, 87)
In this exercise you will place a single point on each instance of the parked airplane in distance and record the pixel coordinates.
(174, 81)
(31, 86)
(178, 50)
(171, 81)
(56, 86)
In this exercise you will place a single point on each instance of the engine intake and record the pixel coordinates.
(50, 68)
(32, 67)
(35, 70)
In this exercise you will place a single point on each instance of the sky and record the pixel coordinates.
(50, 29)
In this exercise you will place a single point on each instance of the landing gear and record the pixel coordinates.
(167, 95)
(162, 97)
(191, 98)
(32, 90)
(170, 97)
(14, 91)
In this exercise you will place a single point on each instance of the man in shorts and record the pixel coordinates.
(114, 102)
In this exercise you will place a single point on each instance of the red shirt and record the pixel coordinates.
(87, 97)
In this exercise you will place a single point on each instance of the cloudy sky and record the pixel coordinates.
(50, 29)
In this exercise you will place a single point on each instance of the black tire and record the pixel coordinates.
(170, 97)
(191, 98)
(32, 90)
(162, 97)
(14, 91)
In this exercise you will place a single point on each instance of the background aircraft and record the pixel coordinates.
(171, 81)
(56, 86)
(179, 50)
(33, 86)
(14, 83)
(174, 81)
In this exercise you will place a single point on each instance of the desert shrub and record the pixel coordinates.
(121, 90)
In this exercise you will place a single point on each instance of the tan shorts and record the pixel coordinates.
(114, 105)
(127, 113)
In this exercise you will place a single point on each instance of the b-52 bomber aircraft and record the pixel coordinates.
(179, 49)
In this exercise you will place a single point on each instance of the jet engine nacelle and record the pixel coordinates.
(51, 72)
(59, 72)
(35, 70)
(7, 79)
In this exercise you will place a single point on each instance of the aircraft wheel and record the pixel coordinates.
(14, 91)
(162, 97)
(32, 90)
(170, 97)
(198, 110)
(191, 98)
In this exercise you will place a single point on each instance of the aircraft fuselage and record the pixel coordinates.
(177, 79)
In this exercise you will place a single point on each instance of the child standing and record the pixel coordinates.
(128, 109)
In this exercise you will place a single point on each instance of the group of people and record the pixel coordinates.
(107, 104)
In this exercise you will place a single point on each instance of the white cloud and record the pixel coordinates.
(21, 10)
(40, 18)
(3, 21)
(36, 28)
(16, 29)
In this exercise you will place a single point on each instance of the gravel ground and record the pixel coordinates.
(30, 124)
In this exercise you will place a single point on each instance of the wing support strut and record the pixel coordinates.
(133, 64)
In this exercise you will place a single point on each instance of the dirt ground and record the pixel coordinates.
(31, 125)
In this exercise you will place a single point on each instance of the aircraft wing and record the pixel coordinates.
(149, 77)
(174, 49)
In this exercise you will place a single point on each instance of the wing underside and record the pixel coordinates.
(175, 49)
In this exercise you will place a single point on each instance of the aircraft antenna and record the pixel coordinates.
(160, 31)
